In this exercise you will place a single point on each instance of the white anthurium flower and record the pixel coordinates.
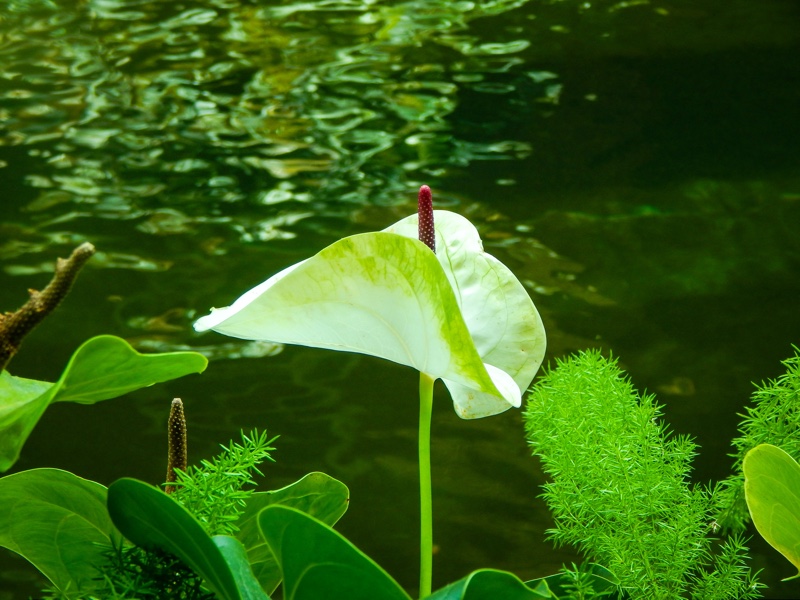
(458, 315)
(502, 320)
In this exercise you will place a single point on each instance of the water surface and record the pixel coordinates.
(634, 163)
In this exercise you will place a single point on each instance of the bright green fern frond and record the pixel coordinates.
(215, 491)
(730, 579)
(620, 483)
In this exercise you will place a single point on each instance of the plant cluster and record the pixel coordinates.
(134, 573)
(215, 494)
(422, 293)
(620, 486)
(620, 482)
(773, 418)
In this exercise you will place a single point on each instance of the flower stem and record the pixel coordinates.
(425, 495)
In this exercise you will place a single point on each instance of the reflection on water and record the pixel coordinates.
(166, 115)
(634, 163)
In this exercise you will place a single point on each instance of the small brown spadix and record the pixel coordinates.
(176, 436)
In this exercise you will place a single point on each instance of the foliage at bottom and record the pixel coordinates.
(620, 487)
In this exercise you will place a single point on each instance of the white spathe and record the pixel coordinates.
(460, 315)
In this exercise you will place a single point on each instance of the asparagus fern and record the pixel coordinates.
(620, 487)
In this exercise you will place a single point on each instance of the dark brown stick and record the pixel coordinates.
(14, 326)
(176, 448)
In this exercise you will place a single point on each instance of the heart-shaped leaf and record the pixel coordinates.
(316, 494)
(103, 367)
(772, 491)
(235, 555)
(317, 562)
(151, 519)
(59, 523)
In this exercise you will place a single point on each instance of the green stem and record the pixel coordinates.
(425, 496)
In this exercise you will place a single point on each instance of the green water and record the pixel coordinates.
(636, 164)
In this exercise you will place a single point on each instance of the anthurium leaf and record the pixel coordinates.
(772, 491)
(107, 367)
(59, 523)
(235, 555)
(22, 403)
(379, 294)
(151, 519)
(505, 325)
(318, 562)
(103, 367)
(540, 587)
(488, 584)
(316, 494)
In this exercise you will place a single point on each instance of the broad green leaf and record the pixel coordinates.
(107, 367)
(488, 584)
(772, 491)
(379, 294)
(317, 494)
(59, 523)
(318, 562)
(22, 403)
(235, 555)
(151, 519)
(103, 367)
